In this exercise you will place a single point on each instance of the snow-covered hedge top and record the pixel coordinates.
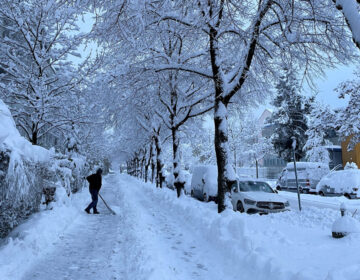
(341, 181)
(11, 138)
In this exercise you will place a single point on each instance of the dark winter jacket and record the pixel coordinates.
(94, 181)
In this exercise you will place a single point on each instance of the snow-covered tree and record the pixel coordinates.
(347, 119)
(289, 118)
(39, 81)
(258, 147)
(351, 12)
(316, 143)
(239, 47)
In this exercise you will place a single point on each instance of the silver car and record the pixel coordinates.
(255, 196)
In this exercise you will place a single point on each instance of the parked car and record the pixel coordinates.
(187, 177)
(342, 182)
(204, 182)
(308, 173)
(255, 196)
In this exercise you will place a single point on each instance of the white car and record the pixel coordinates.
(255, 196)
(342, 182)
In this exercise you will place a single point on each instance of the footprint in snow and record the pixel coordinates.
(201, 266)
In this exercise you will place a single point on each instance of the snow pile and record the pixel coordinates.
(289, 245)
(346, 225)
(350, 165)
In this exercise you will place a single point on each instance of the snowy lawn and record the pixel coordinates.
(157, 236)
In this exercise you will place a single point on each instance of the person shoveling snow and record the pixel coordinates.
(94, 188)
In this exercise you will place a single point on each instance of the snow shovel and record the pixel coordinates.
(107, 206)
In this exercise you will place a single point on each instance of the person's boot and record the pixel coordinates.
(87, 210)
(96, 211)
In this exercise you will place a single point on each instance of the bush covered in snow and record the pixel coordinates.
(26, 169)
(21, 166)
(70, 170)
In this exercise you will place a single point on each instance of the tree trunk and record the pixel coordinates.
(221, 150)
(152, 163)
(257, 168)
(225, 171)
(178, 183)
(235, 159)
(159, 164)
(34, 136)
(143, 163)
(148, 162)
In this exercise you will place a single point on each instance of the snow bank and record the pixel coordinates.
(283, 246)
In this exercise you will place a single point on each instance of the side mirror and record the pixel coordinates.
(235, 189)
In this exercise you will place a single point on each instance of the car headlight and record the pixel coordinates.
(287, 204)
(249, 201)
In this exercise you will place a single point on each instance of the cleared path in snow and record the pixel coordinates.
(89, 249)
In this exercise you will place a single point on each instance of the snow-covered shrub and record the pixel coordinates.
(70, 170)
(26, 170)
(350, 165)
(21, 168)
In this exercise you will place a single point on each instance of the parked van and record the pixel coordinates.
(204, 182)
(308, 173)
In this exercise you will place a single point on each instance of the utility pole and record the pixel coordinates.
(296, 178)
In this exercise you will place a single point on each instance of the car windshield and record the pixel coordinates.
(254, 186)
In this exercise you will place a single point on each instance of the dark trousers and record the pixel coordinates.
(94, 197)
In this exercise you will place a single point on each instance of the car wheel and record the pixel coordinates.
(205, 197)
(321, 193)
(240, 207)
(347, 196)
(278, 188)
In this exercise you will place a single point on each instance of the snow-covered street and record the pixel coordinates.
(157, 236)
